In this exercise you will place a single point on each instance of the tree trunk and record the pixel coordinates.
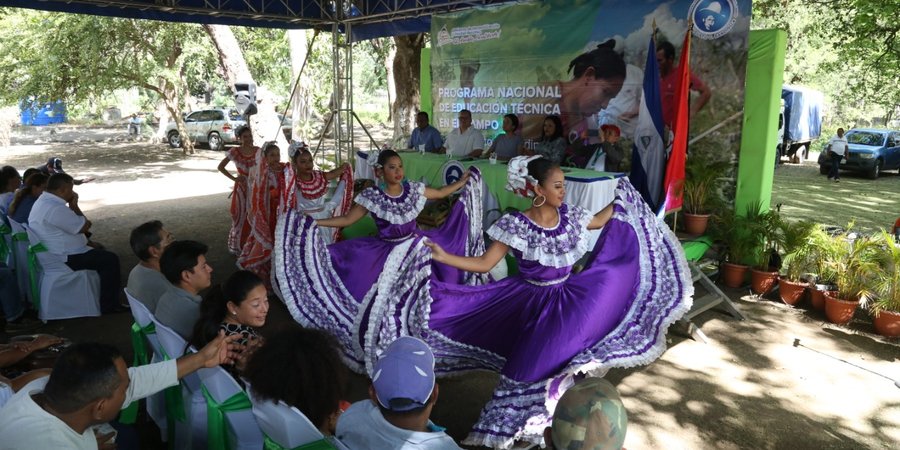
(300, 106)
(391, 85)
(406, 73)
(264, 124)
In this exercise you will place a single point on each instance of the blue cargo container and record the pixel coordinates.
(800, 122)
(41, 114)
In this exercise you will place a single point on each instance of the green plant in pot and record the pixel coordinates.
(700, 192)
(823, 249)
(735, 233)
(797, 246)
(885, 305)
(768, 239)
(854, 264)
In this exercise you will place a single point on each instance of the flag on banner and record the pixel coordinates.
(674, 181)
(648, 157)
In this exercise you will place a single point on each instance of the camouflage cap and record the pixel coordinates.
(590, 416)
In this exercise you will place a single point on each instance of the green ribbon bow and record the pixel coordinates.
(141, 358)
(33, 265)
(217, 435)
(4, 248)
(321, 444)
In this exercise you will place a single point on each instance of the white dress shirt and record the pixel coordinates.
(57, 226)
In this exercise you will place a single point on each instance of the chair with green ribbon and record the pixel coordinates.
(285, 427)
(60, 292)
(143, 330)
(230, 422)
(6, 254)
(19, 251)
(182, 401)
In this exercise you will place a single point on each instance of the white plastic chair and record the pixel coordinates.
(243, 431)
(193, 433)
(156, 404)
(64, 293)
(19, 252)
(284, 424)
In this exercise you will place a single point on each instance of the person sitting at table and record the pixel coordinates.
(424, 136)
(465, 140)
(509, 144)
(551, 144)
(326, 286)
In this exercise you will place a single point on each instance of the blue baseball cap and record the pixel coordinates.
(404, 375)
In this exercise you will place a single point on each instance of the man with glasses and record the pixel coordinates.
(145, 281)
(465, 140)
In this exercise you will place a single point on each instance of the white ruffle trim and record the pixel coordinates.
(375, 200)
(538, 249)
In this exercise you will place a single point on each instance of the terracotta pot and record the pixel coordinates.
(817, 295)
(887, 323)
(792, 291)
(762, 282)
(695, 224)
(839, 311)
(733, 274)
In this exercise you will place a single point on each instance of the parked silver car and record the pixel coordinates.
(215, 127)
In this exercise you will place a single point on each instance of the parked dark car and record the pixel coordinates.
(871, 151)
(215, 127)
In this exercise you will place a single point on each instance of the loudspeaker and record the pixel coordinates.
(245, 98)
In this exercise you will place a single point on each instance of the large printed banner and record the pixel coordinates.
(583, 61)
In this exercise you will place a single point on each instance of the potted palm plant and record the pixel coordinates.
(854, 263)
(736, 235)
(885, 305)
(798, 249)
(823, 249)
(700, 187)
(767, 231)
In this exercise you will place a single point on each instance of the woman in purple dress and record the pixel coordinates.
(549, 325)
(334, 287)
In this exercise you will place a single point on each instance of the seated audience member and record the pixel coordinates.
(509, 144)
(62, 230)
(9, 182)
(312, 358)
(88, 386)
(425, 135)
(402, 395)
(11, 303)
(465, 140)
(590, 415)
(239, 306)
(25, 197)
(145, 281)
(54, 165)
(184, 265)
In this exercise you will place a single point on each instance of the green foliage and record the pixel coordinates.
(735, 232)
(852, 262)
(798, 247)
(887, 279)
(268, 56)
(766, 228)
(849, 49)
(701, 184)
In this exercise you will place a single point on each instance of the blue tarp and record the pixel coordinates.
(802, 113)
(370, 18)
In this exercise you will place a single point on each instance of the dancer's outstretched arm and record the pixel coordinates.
(436, 194)
(477, 264)
(601, 217)
(336, 173)
(356, 212)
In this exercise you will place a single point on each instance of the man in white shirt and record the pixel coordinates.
(465, 140)
(145, 281)
(88, 386)
(184, 265)
(837, 148)
(402, 395)
(62, 229)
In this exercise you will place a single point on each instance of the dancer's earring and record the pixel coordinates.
(534, 201)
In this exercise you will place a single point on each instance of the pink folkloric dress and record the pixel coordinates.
(240, 200)
(266, 186)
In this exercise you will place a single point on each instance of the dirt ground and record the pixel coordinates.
(749, 387)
